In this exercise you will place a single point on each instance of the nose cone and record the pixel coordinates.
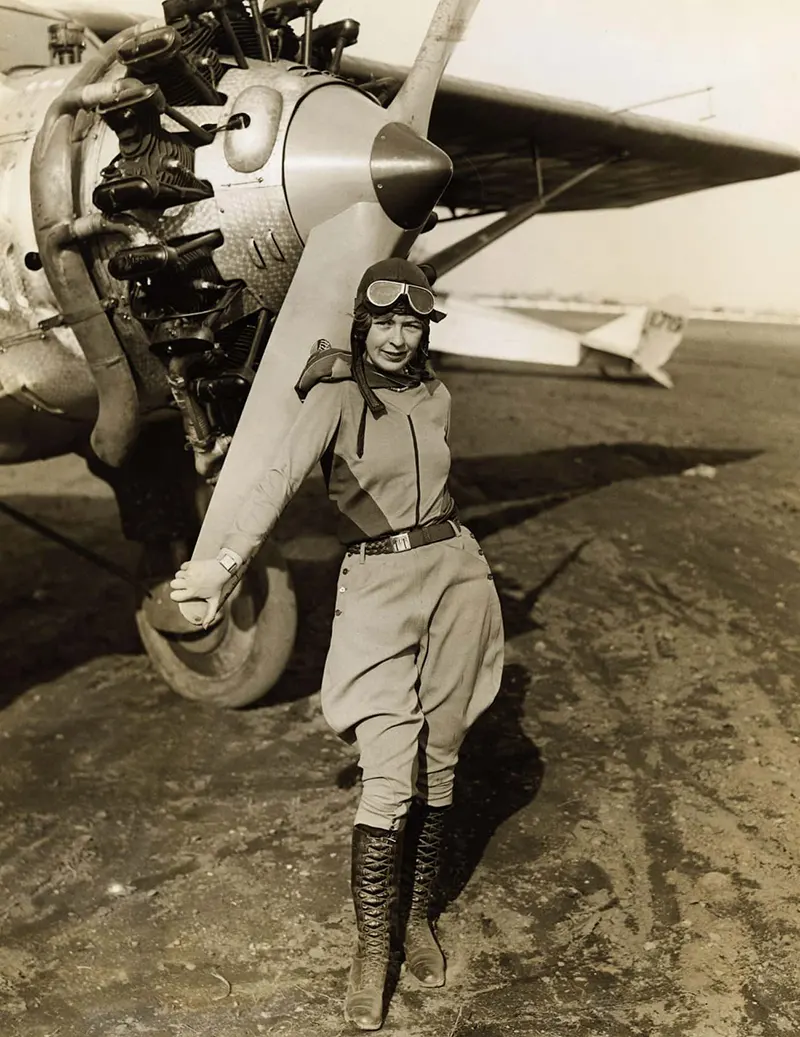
(409, 174)
(340, 151)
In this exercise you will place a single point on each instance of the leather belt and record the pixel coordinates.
(407, 541)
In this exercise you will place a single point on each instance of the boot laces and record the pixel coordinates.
(374, 898)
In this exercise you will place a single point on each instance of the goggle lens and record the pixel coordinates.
(386, 293)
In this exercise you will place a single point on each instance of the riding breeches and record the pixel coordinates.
(416, 655)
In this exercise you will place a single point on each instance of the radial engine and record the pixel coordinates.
(174, 179)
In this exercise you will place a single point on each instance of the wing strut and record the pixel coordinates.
(72, 545)
(454, 255)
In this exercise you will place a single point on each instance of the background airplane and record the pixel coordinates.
(169, 204)
(638, 343)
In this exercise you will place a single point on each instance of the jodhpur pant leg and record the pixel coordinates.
(415, 657)
(369, 685)
(461, 662)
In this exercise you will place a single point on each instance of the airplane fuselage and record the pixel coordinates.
(47, 393)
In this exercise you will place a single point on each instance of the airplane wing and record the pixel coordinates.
(101, 19)
(480, 332)
(509, 147)
(23, 29)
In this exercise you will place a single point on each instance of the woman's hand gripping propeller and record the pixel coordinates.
(395, 185)
(209, 581)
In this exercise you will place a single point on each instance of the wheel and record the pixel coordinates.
(616, 371)
(242, 657)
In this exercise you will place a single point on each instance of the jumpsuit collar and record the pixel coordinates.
(327, 364)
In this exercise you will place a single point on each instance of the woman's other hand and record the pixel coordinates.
(201, 581)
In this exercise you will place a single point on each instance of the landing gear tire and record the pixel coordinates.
(616, 372)
(240, 659)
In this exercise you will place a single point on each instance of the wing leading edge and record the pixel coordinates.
(509, 147)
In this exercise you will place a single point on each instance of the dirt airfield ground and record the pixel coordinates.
(626, 858)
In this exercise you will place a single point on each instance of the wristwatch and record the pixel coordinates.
(230, 560)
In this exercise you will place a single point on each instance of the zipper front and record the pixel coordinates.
(416, 466)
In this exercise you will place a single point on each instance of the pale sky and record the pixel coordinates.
(736, 246)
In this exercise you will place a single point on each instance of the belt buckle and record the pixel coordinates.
(400, 542)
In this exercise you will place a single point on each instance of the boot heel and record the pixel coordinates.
(424, 957)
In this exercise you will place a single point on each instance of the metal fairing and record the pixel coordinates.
(262, 246)
(43, 370)
(248, 149)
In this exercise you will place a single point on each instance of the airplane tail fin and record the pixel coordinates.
(663, 330)
(646, 337)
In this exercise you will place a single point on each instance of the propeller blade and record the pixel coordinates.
(317, 305)
(414, 102)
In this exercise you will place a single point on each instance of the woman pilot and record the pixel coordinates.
(416, 648)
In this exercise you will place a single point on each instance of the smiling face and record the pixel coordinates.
(393, 340)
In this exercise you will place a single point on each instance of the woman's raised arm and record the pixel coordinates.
(282, 474)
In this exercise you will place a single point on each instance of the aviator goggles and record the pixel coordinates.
(382, 294)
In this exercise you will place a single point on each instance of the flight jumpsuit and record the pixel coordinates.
(416, 650)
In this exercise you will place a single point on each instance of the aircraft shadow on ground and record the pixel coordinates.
(60, 612)
(493, 493)
(500, 492)
(500, 771)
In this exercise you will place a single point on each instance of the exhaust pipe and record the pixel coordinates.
(53, 207)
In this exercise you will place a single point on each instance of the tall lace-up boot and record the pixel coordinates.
(375, 875)
(421, 866)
